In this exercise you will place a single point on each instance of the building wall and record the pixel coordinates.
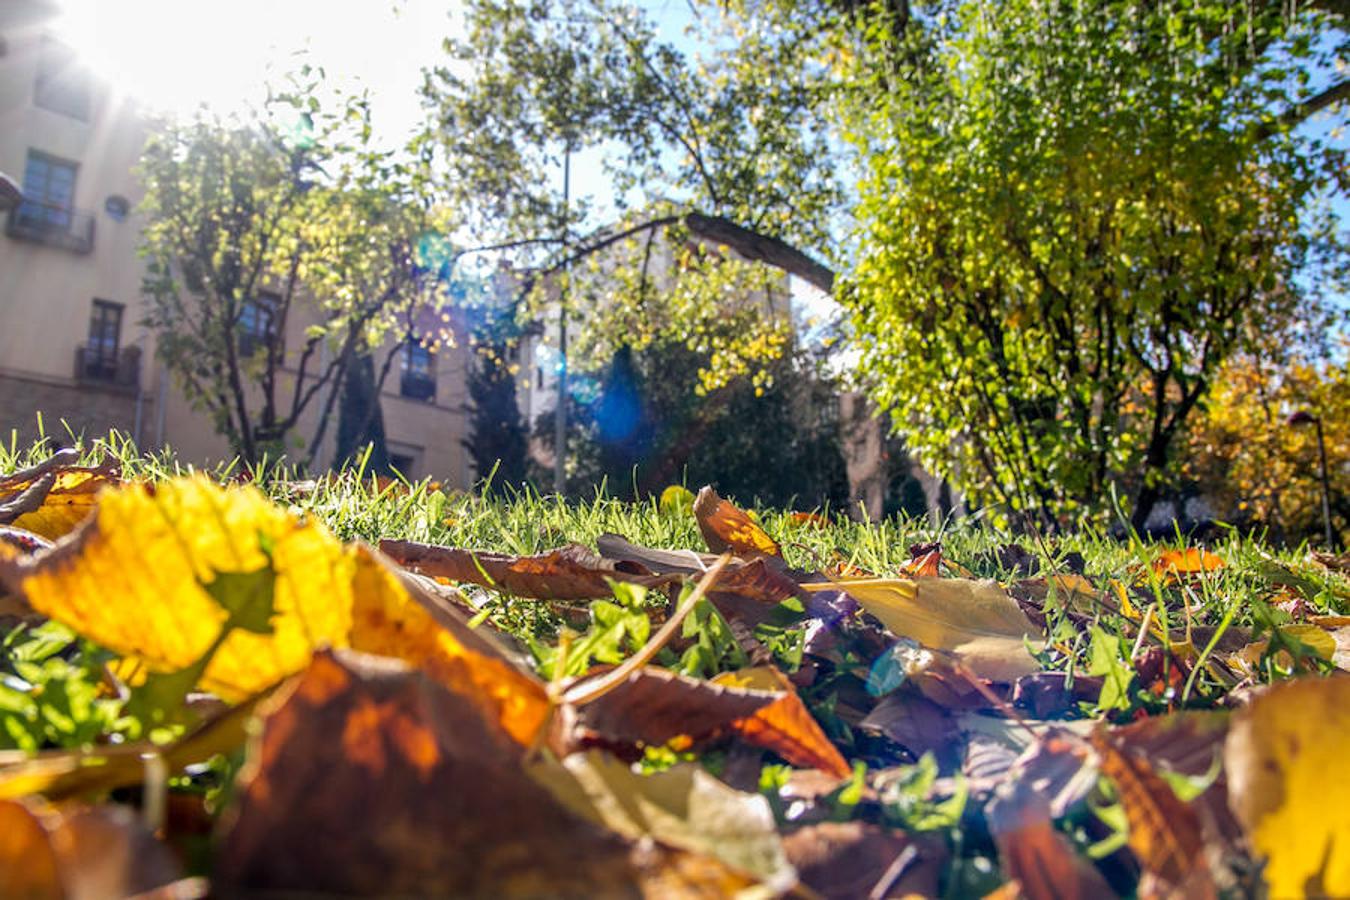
(47, 293)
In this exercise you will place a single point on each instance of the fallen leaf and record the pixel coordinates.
(52, 497)
(1041, 859)
(676, 500)
(1165, 834)
(79, 854)
(917, 724)
(726, 527)
(847, 860)
(925, 561)
(686, 808)
(159, 575)
(1282, 755)
(370, 778)
(1190, 561)
(976, 621)
(786, 726)
(809, 519)
(654, 706)
(568, 573)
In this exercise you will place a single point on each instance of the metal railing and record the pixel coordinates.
(52, 224)
(121, 369)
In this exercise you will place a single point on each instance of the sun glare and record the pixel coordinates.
(176, 55)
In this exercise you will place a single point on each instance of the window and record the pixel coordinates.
(419, 373)
(257, 323)
(62, 83)
(48, 192)
(105, 335)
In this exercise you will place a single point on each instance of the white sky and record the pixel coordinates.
(173, 55)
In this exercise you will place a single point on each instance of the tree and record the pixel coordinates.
(1072, 215)
(251, 224)
(497, 441)
(702, 152)
(1261, 472)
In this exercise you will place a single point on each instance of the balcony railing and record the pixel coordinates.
(417, 386)
(122, 369)
(49, 223)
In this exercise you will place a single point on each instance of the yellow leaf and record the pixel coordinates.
(139, 579)
(72, 498)
(134, 578)
(677, 500)
(976, 621)
(1283, 758)
(1189, 561)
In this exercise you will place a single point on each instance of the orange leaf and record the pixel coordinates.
(786, 727)
(1190, 561)
(1165, 834)
(725, 528)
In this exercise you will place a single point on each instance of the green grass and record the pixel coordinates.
(1085, 636)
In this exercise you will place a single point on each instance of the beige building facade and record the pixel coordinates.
(74, 356)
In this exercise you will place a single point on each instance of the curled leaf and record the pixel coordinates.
(786, 726)
(569, 573)
(726, 527)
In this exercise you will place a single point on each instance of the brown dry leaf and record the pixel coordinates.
(848, 860)
(786, 726)
(52, 497)
(1046, 867)
(976, 621)
(1042, 861)
(368, 778)
(88, 854)
(655, 706)
(1283, 756)
(568, 573)
(1190, 561)
(925, 562)
(1165, 833)
(726, 527)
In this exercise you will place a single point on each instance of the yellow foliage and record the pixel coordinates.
(1283, 757)
(1254, 465)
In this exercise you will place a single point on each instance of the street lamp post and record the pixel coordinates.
(1303, 417)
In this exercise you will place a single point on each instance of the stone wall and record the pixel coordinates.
(89, 408)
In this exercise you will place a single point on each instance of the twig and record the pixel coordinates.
(589, 691)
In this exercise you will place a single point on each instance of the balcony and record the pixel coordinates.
(418, 386)
(120, 370)
(56, 226)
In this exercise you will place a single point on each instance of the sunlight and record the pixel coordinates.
(174, 56)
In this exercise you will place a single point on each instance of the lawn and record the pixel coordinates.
(242, 692)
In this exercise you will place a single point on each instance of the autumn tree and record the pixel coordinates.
(291, 216)
(1260, 471)
(1072, 216)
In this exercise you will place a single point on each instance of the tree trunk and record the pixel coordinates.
(361, 419)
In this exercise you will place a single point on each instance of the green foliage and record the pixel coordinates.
(536, 85)
(52, 691)
(775, 438)
(1071, 216)
(280, 250)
